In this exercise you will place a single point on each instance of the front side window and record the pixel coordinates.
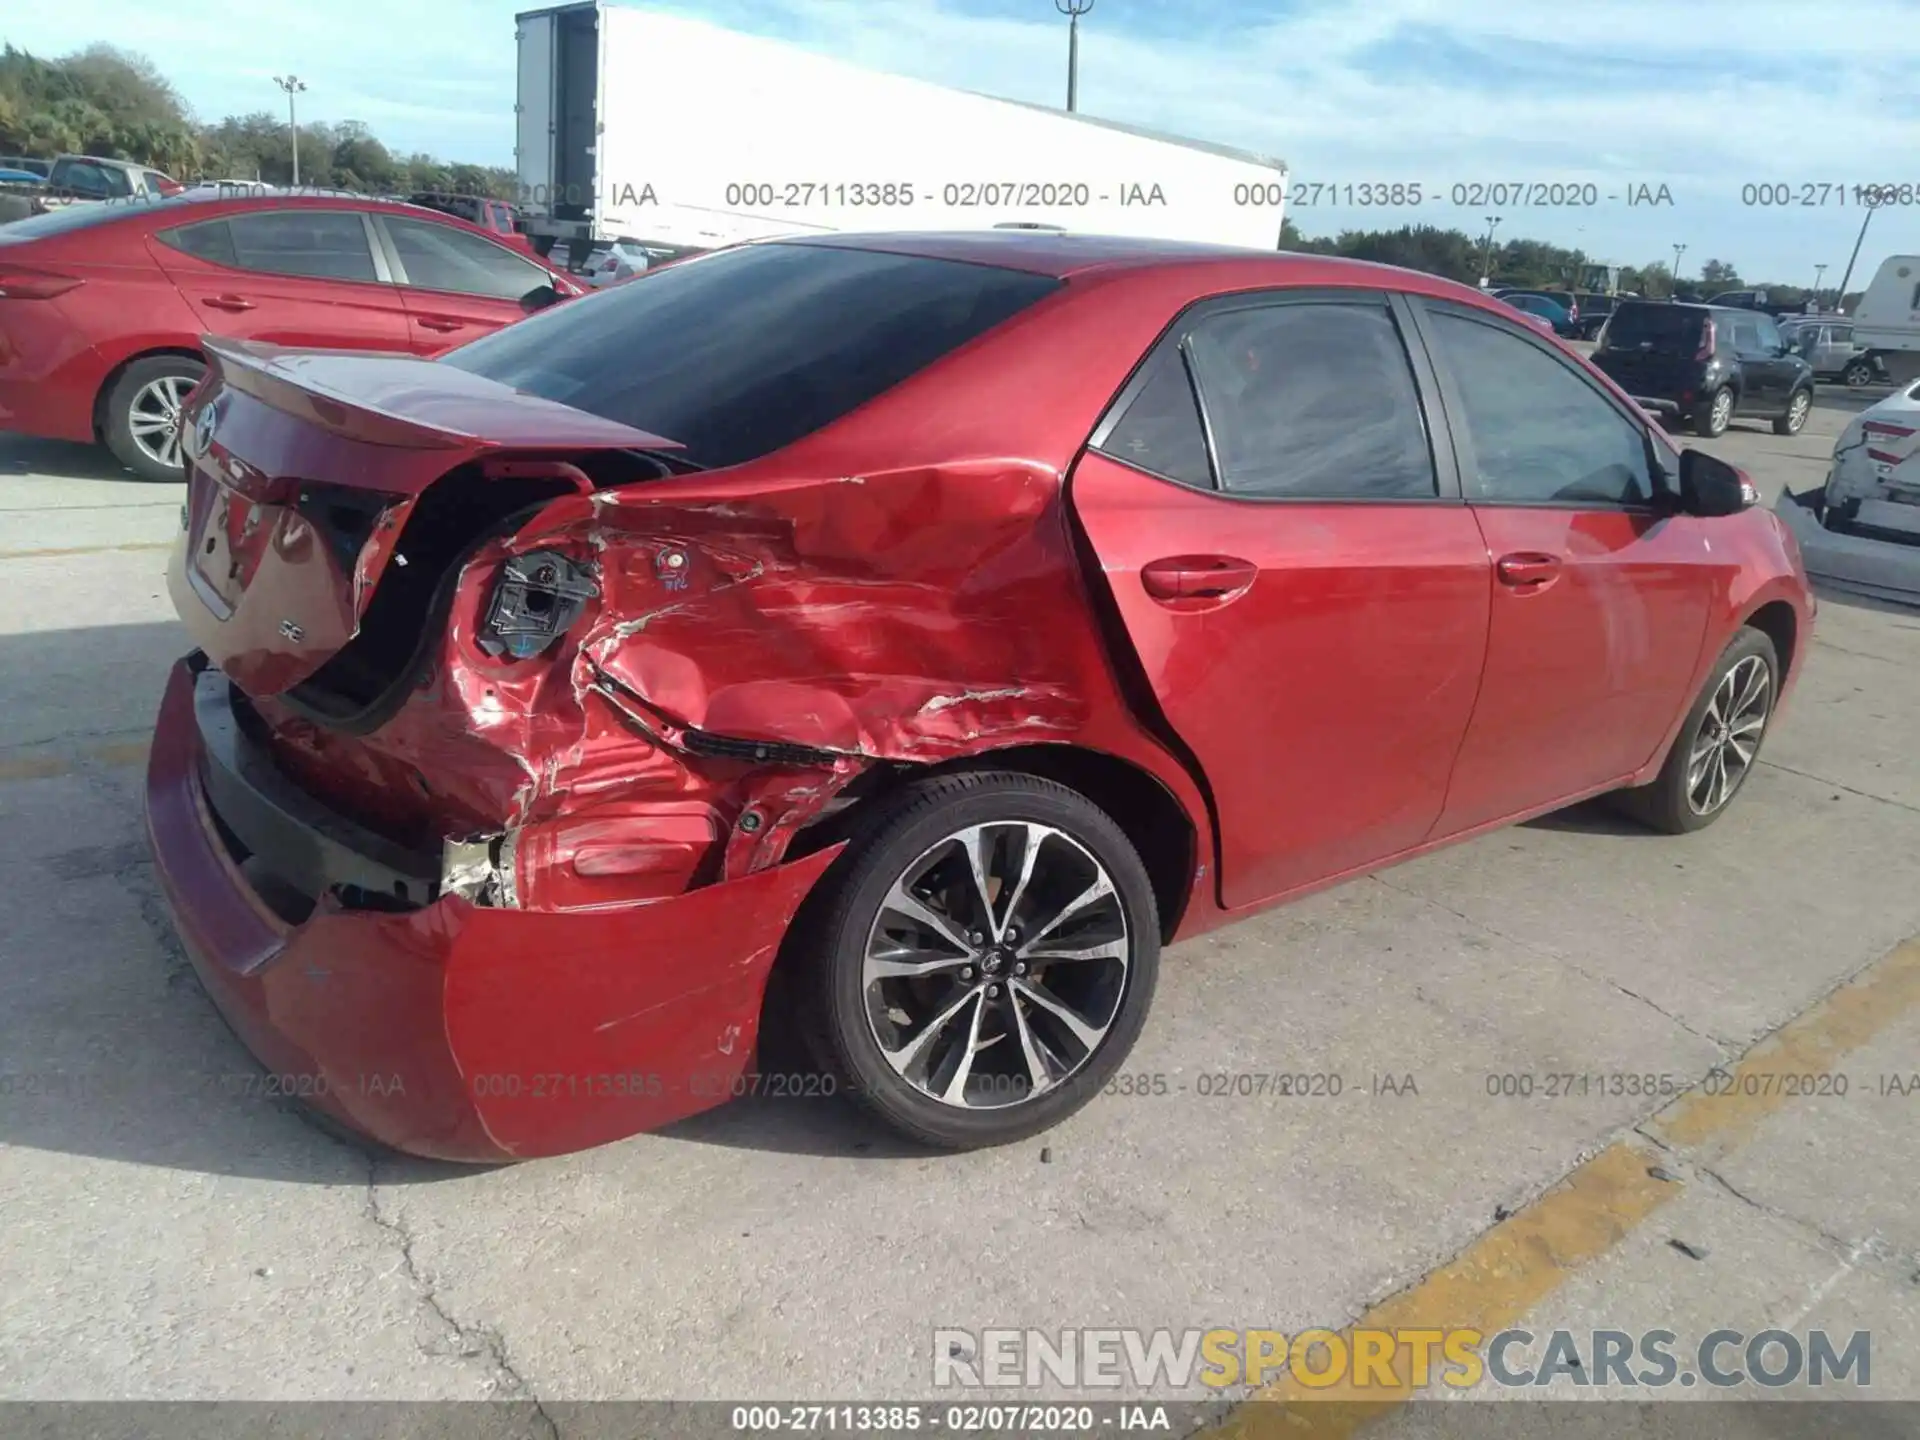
(1538, 432)
(440, 257)
(1768, 334)
(741, 352)
(1312, 401)
(1746, 334)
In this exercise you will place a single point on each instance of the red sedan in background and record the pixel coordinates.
(909, 634)
(102, 307)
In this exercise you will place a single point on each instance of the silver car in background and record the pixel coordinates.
(1829, 347)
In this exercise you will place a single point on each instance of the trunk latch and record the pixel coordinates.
(538, 596)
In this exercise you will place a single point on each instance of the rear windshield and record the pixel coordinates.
(1660, 327)
(739, 353)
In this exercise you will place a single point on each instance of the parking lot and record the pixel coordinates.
(173, 1234)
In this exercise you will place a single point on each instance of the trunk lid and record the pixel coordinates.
(316, 478)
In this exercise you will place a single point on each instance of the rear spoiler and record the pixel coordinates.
(389, 399)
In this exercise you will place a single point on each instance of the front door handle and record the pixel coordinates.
(228, 302)
(1198, 577)
(1527, 572)
(440, 322)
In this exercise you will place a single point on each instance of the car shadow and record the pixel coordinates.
(1589, 817)
(63, 459)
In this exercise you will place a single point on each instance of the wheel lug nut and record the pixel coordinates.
(992, 991)
(966, 972)
(1019, 969)
(976, 937)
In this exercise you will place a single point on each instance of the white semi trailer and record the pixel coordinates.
(680, 135)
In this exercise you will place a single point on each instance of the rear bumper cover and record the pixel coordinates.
(454, 1031)
(1880, 569)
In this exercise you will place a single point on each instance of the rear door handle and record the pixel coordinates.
(228, 302)
(440, 322)
(1528, 571)
(1198, 577)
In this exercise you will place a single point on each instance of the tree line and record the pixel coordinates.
(1533, 264)
(117, 105)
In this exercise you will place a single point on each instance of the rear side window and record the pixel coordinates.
(1540, 434)
(211, 241)
(1312, 401)
(1662, 328)
(83, 177)
(323, 244)
(1161, 431)
(739, 353)
(439, 257)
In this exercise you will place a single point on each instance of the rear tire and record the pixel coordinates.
(143, 423)
(995, 1037)
(1799, 406)
(1727, 726)
(1715, 414)
(1857, 374)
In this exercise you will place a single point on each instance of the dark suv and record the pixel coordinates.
(1703, 364)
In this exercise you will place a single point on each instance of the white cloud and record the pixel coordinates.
(1435, 91)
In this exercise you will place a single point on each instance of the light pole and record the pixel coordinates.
(1841, 298)
(1486, 258)
(1678, 251)
(1073, 10)
(293, 85)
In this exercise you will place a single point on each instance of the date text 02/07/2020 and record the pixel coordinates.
(1411, 194)
(952, 194)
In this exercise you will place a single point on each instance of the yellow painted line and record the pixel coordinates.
(48, 767)
(1726, 1112)
(87, 550)
(1510, 1269)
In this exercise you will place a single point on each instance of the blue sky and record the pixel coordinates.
(1701, 98)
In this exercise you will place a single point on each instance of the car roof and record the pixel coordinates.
(1066, 255)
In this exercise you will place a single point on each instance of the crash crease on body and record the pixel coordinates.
(770, 655)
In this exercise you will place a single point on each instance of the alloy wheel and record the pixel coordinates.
(154, 418)
(1857, 375)
(1797, 410)
(1722, 410)
(996, 965)
(1729, 736)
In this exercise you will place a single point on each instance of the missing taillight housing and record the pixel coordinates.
(536, 600)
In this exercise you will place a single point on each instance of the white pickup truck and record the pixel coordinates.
(90, 180)
(670, 134)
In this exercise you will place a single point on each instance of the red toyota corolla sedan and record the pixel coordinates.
(923, 630)
(102, 307)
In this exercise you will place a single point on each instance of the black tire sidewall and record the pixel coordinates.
(1667, 799)
(851, 1048)
(116, 426)
(1784, 425)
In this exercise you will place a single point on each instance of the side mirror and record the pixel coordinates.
(539, 298)
(1709, 486)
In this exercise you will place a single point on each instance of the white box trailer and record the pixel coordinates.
(674, 133)
(1887, 319)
